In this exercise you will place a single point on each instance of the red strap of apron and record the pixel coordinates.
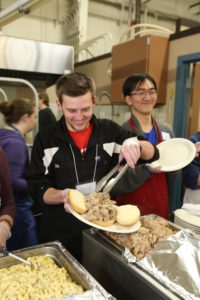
(158, 132)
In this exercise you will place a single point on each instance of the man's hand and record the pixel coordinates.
(130, 151)
(54, 196)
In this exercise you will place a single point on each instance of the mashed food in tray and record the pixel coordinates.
(43, 280)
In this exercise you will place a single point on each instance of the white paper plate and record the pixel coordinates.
(114, 228)
(175, 154)
(187, 217)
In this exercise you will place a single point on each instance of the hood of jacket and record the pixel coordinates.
(9, 135)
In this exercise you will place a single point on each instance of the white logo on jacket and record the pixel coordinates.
(111, 148)
(48, 156)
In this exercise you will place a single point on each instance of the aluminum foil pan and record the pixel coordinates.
(93, 290)
(175, 262)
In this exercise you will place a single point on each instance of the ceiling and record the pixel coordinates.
(120, 11)
(60, 9)
(53, 9)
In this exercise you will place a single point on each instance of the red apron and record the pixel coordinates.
(152, 196)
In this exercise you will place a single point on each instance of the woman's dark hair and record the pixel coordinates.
(75, 84)
(133, 81)
(15, 109)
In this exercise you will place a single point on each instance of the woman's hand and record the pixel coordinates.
(4, 233)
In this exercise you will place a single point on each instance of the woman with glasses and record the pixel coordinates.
(149, 188)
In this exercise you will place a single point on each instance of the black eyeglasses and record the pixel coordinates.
(142, 93)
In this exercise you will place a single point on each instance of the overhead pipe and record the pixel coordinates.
(137, 13)
(4, 94)
(193, 5)
(147, 27)
(18, 9)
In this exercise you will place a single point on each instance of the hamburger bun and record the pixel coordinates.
(104, 223)
(77, 201)
(128, 214)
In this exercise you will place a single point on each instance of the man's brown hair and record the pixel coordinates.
(74, 84)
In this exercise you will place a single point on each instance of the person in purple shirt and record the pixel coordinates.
(20, 118)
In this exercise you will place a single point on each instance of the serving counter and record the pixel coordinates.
(123, 280)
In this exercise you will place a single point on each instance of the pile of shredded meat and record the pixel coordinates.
(153, 229)
(100, 207)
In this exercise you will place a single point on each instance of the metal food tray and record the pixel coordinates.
(119, 248)
(62, 258)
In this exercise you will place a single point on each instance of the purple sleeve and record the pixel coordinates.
(191, 171)
(7, 199)
(18, 163)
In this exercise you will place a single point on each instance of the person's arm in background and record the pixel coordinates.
(17, 156)
(198, 181)
(7, 209)
(197, 145)
(191, 173)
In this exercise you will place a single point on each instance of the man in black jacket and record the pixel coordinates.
(76, 153)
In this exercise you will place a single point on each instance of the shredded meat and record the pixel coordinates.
(100, 207)
(97, 199)
(153, 229)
